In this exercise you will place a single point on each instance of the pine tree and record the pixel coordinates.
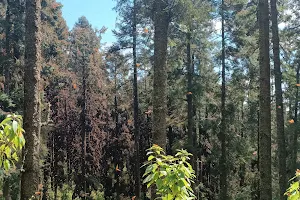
(223, 159)
(265, 185)
(161, 25)
(279, 101)
(136, 104)
(32, 118)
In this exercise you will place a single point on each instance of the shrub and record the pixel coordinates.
(11, 140)
(172, 176)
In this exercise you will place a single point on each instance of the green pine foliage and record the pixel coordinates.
(73, 58)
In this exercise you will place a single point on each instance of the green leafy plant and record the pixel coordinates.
(171, 175)
(97, 195)
(11, 140)
(293, 192)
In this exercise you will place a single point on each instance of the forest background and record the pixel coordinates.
(219, 78)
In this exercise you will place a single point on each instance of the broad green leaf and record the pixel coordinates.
(8, 152)
(6, 165)
(148, 178)
(159, 183)
(151, 157)
(15, 126)
(4, 122)
(7, 130)
(148, 170)
(15, 156)
(163, 173)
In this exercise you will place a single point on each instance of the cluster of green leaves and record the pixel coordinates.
(11, 140)
(293, 192)
(172, 175)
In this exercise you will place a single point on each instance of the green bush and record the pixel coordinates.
(11, 140)
(172, 176)
(293, 192)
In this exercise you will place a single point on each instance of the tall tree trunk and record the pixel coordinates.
(279, 101)
(159, 98)
(161, 24)
(83, 123)
(116, 104)
(8, 47)
(171, 139)
(295, 135)
(67, 144)
(6, 188)
(55, 191)
(223, 159)
(242, 166)
(136, 108)
(32, 117)
(190, 107)
(190, 114)
(265, 186)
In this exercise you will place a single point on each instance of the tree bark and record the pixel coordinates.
(223, 159)
(136, 108)
(265, 186)
(8, 47)
(279, 101)
(83, 123)
(295, 135)
(32, 117)
(161, 24)
(189, 95)
(6, 188)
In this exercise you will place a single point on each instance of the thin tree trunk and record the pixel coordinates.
(255, 194)
(171, 138)
(8, 47)
(136, 108)
(265, 186)
(279, 102)
(242, 166)
(190, 107)
(116, 104)
(67, 145)
(32, 115)
(6, 188)
(161, 24)
(295, 135)
(223, 159)
(83, 124)
(55, 191)
(190, 114)
(45, 182)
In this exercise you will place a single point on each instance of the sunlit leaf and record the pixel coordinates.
(6, 165)
(15, 125)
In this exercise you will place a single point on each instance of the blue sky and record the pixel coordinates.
(98, 12)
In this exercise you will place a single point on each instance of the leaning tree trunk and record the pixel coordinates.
(279, 101)
(265, 186)
(32, 120)
(161, 24)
